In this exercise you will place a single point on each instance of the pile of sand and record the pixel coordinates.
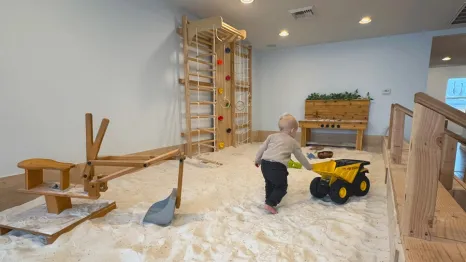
(221, 219)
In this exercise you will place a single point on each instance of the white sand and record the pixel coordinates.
(221, 219)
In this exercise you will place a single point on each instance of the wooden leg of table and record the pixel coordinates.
(56, 204)
(64, 179)
(359, 138)
(33, 178)
(303, 136)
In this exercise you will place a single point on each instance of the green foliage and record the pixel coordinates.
(338, 96)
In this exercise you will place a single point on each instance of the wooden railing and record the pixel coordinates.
(431, 158)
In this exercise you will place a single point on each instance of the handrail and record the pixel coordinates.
(404, 110)
(452, 114)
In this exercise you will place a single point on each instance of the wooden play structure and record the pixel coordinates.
(335, 114)
(217, 81)
(59, 212)
(425, 198)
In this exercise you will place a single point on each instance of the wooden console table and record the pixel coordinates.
(335, 114)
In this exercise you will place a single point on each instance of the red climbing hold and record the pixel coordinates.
(228, 78)
(220, 118)
(219, 62)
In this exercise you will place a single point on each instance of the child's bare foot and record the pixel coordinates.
(270, 209)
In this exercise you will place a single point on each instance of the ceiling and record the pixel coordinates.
(333, 20)
(453, 46)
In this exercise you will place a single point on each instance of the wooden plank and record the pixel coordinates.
(223, 71)
(390, 126)
(422, 172)
(55, 225)
(33, 178)
(359, 138)
(397, 138)
(128, 157)
(456, 136)
(186, 86)
(250, 92)
(438, 106)
(64, 179)
(49, 189)
(180, 181)
(132, 163)
(43, 163)
(117, 174)
(233, 87)
(447, 168)
(57, 204)
(165, 156)
(423, 251)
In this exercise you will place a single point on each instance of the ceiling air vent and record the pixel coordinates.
(460, 16)
(302, 13)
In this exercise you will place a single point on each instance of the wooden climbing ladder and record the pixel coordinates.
(200, 46)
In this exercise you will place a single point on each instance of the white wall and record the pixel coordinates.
(437, 86)
(400, 63)
(61, 59)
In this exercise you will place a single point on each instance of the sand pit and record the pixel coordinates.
(221, 219)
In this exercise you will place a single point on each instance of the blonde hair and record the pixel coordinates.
(287, 122)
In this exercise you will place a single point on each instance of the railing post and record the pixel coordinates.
(397, 136)
(422, 172)
(392, 112)
(447, 164)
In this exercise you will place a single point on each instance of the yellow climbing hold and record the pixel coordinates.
(220, 90)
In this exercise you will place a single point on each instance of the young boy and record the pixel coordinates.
(273, 157)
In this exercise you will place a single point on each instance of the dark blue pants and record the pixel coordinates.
(276, 181)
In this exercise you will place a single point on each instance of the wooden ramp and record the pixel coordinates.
(448, 230)
(38, 221)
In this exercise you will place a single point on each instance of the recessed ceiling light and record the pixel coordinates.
(284, 33)
(447, 58)
(365, 20)
(247, 1)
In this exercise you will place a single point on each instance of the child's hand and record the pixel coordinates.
(256, 164)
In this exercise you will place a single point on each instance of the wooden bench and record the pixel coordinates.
(34, 177)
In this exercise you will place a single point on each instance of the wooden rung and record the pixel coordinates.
(242, 55)
(202, 116)
(206, 70)
(242, 113)
(204, 141)
(202, 131)
(199, 75)
(206, 54)
(242, 126)
(202, 41)
(208, 89)
(196, 83)
(203, 103)
(192, 59)
(202, 144)
(202, 48)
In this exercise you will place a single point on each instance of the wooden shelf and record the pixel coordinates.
(48, 189)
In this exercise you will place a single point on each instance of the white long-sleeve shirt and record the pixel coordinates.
(278, 147)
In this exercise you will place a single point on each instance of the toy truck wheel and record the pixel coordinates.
(340, 191)
(361, 185)
(317, 189)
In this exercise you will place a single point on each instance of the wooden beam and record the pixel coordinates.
(165, 156)
(186, 86)
(455, 136)
(438, 106)
(117, 174)
(129, 157)
(422, 172)
(447, 166)
(392, 112)
(397, 136)
(116, 163)
(250, 93)
(180, 181)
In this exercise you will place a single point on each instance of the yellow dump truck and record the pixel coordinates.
(340, 179)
